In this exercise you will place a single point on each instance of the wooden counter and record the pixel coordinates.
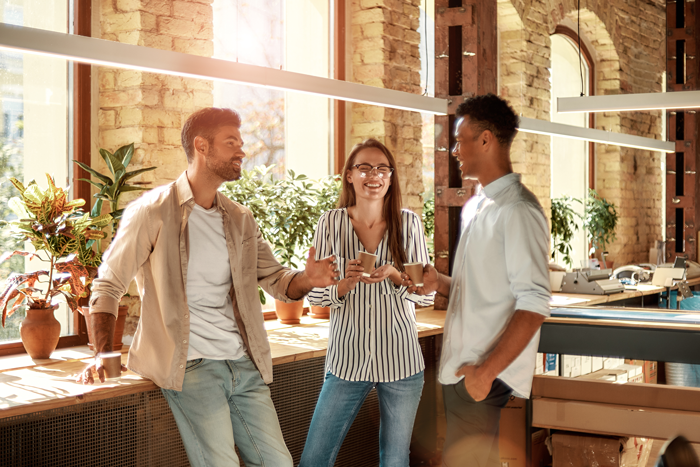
(28, 386)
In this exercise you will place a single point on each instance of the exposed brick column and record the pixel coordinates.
(149, 109)
(385, 53)
(525, 51)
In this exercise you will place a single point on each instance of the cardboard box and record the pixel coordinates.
(511, 438)
(596, 363)
(551, 364)
(571, 366)
(607, 375)
(583, 450)
(650, 372)
(635, 373)
(612, 362)
(540, 453)
(578, 450)
(586, 365)
(539, 364)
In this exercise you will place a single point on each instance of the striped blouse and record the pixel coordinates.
(373, 335)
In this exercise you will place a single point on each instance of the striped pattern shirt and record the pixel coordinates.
(373, 335)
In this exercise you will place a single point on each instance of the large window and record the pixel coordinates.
(35, 111)
(289, 130)
(571, 160)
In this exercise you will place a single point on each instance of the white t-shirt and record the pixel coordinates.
(213, 329)
(500, 266)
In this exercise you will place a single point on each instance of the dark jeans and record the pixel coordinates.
(472, 427)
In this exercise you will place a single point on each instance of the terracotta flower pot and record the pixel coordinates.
(118, 327)
(289, 313)
(40, 332)
(320, 312)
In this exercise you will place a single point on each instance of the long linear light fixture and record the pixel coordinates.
(629, 102)
(115, 54)
(542, 127)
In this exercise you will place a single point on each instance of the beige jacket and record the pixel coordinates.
(152, 245)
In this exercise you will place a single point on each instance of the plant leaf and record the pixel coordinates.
(93, 172)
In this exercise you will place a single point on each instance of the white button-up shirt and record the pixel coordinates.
(500, 266)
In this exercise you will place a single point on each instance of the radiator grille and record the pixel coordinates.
(139, 429)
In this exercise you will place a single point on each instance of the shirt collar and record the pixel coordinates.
(495, 187)
(184, 192)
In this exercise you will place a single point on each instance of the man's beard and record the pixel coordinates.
(225, 170)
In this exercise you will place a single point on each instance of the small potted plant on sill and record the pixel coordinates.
(600, 220)
(111, 188)
(287, 212)
(62, 235)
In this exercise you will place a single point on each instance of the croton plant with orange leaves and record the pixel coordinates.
(62, 236)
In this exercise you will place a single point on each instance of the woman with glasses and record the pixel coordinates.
(373, 341)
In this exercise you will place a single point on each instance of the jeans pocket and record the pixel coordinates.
(192, 364)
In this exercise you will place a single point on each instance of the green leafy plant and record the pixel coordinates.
(429, 222)
(563, 228)
(286, 210)
(600, 220)
(111, 188)
(61, 235)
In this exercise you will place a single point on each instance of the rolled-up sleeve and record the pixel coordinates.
(126, 254)
(527, 251)
(272, 276)
(327, 296)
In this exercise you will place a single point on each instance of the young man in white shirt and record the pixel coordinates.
(499, 292)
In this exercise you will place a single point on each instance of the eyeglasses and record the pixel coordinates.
(382, 170)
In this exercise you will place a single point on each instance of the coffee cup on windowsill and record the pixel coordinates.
(415, 272)
(112, 364)
(367, 261)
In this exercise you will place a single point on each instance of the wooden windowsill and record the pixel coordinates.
(28, 386)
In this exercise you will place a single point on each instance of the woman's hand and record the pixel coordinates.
(353, 274)
(381, 273)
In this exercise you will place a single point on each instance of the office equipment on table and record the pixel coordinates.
(592, 282)
(664, 277)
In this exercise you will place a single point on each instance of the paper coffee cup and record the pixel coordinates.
(415, 272)
(367, 262)
(112, 364)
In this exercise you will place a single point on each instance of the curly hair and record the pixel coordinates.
(205, 123)
(490, 112)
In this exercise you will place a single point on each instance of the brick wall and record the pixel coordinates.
(385, 53)
(149, 109)
(627, 38)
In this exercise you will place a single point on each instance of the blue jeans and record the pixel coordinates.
(222, 401)
(337, 407)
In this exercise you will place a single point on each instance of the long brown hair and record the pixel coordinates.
(392, 199)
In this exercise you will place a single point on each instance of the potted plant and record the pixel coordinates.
(287, 212)
(111, 188)
(563, 228)
(600, 220)
(62, 235)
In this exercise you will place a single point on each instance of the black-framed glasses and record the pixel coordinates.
(383, 171)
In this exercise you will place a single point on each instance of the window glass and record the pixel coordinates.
(289, 130)
(569, 161)
(34, 111)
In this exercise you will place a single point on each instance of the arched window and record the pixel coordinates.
(572, 161)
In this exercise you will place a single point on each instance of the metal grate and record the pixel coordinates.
(139, 429)
(133, 430)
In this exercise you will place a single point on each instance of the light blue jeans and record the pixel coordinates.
(222, 401)
(337, 407)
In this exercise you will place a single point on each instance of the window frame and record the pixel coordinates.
(82, 19)
(574, 37)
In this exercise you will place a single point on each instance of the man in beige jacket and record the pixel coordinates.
(198, 258)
